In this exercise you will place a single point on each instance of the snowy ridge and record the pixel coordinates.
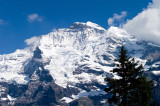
(64, 50)
(83, 94)
(89, 24)
(12, 65)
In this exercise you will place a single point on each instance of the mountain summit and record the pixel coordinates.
(79, 25)
(69, 65)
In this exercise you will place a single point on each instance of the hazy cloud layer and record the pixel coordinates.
(34, 17)
(146, 25)
(117, 18)
(2, 22)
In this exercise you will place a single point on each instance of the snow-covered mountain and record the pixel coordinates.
(69, 65)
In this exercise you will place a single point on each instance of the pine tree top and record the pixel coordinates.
(132, 85)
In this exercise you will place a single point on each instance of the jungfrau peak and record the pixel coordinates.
(76, 58)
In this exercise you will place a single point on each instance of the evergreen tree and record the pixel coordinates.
(132, 88)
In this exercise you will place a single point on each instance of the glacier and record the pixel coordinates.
(64, 50)
(81, 54)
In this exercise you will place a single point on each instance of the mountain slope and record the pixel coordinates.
(69, 63)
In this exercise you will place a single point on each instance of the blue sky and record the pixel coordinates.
(22, 19)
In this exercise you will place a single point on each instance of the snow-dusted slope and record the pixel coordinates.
(12, 66)
(78, 59)
(64, 50)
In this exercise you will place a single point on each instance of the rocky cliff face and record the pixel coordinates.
(68, 66)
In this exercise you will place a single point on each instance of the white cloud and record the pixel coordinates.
(32, 41)
(110, 21)
(117, 18)
(154, 4)
(146, 25)
(34, 17)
